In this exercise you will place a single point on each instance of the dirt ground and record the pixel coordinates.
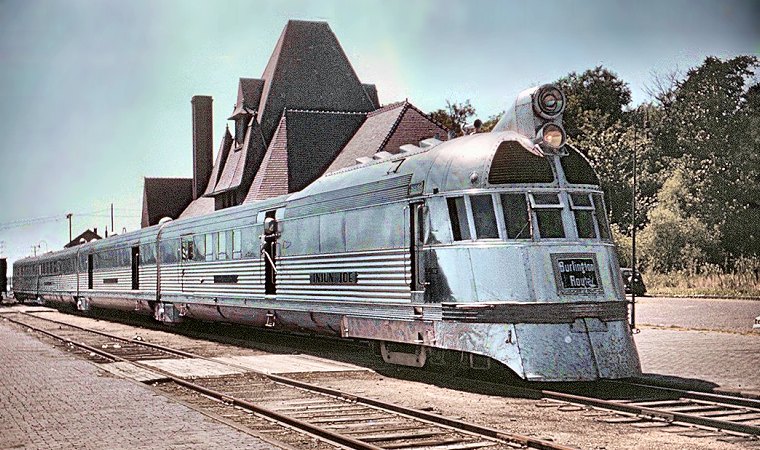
(572, 426)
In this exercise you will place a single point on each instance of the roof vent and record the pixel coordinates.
(429, 143)
(363, 160)
(408, 148)
(381, 155)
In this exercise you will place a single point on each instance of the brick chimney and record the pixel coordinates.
(202, 143)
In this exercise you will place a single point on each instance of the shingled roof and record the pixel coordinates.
(272, 178)
(206, 204)
(304, 145)
(308, 70)
(242, 161)
(249, 95)
(165, 197)
(387, 129)
(371, 91)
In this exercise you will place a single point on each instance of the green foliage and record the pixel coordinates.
(598, 91)
(455, 116)
(623, 245)
(674, 240)
(491, 122)
(711, 129)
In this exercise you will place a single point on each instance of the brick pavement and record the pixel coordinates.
(730, 360)
(51, 400)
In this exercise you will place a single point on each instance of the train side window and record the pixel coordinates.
(484, 216)
(187, 249)
(169, 251)
(147, 255)
(237, 244)
(583, 211)
(250, 242)
(516, 216)
(199, 247)
(601, 217)
(460, 227)
(221, 246)
(548, 213)
(209, 247)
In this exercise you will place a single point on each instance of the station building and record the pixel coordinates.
(308, 114)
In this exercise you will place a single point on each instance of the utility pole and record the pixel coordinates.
(111, 218)
(68, 216)
(633, 236)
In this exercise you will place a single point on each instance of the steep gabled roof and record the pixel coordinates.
(249, 95)
(88, 235)
(302, 148)
(314, 140)
(371, 136)
(412, 127)
(242, 162)
(371, 91)
(165, 197)
(205, 204)
(221, 160)
(308, 70)
(387, 129)
(272, 178)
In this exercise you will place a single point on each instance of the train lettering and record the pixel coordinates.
(334, 278)
(577, 274)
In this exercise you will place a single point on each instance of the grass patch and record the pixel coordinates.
(708, 281)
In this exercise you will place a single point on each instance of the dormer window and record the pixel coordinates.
(240, 126)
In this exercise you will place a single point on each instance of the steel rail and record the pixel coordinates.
(326, 434)
(492, 433)
(696, 395)
(667, 416)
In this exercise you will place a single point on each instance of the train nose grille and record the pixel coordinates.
(513, 164)
(536, 312)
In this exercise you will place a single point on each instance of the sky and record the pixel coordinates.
(95, 94)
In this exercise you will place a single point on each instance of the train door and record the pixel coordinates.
(135, 268)
(269, 253)
(416, 241)
(89, 271)
(186, 255)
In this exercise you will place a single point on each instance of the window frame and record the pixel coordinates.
(471, 215)
(588, 208)
(535, 207)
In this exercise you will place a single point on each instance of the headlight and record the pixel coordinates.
(552, 135)
(549, 101)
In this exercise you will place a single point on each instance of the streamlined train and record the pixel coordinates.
(491, 247)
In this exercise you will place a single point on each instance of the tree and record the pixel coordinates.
(454, 116)
(711, 128)
(673, 239)
(596, 90)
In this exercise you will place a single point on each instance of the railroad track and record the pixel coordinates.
(637, 403)
(648, 403)
(336, 418)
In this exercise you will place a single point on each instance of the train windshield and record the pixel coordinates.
(526, 215)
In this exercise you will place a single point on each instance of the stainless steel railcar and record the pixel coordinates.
(488, 246)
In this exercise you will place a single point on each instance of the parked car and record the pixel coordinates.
(633, 284)
(756, 326)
